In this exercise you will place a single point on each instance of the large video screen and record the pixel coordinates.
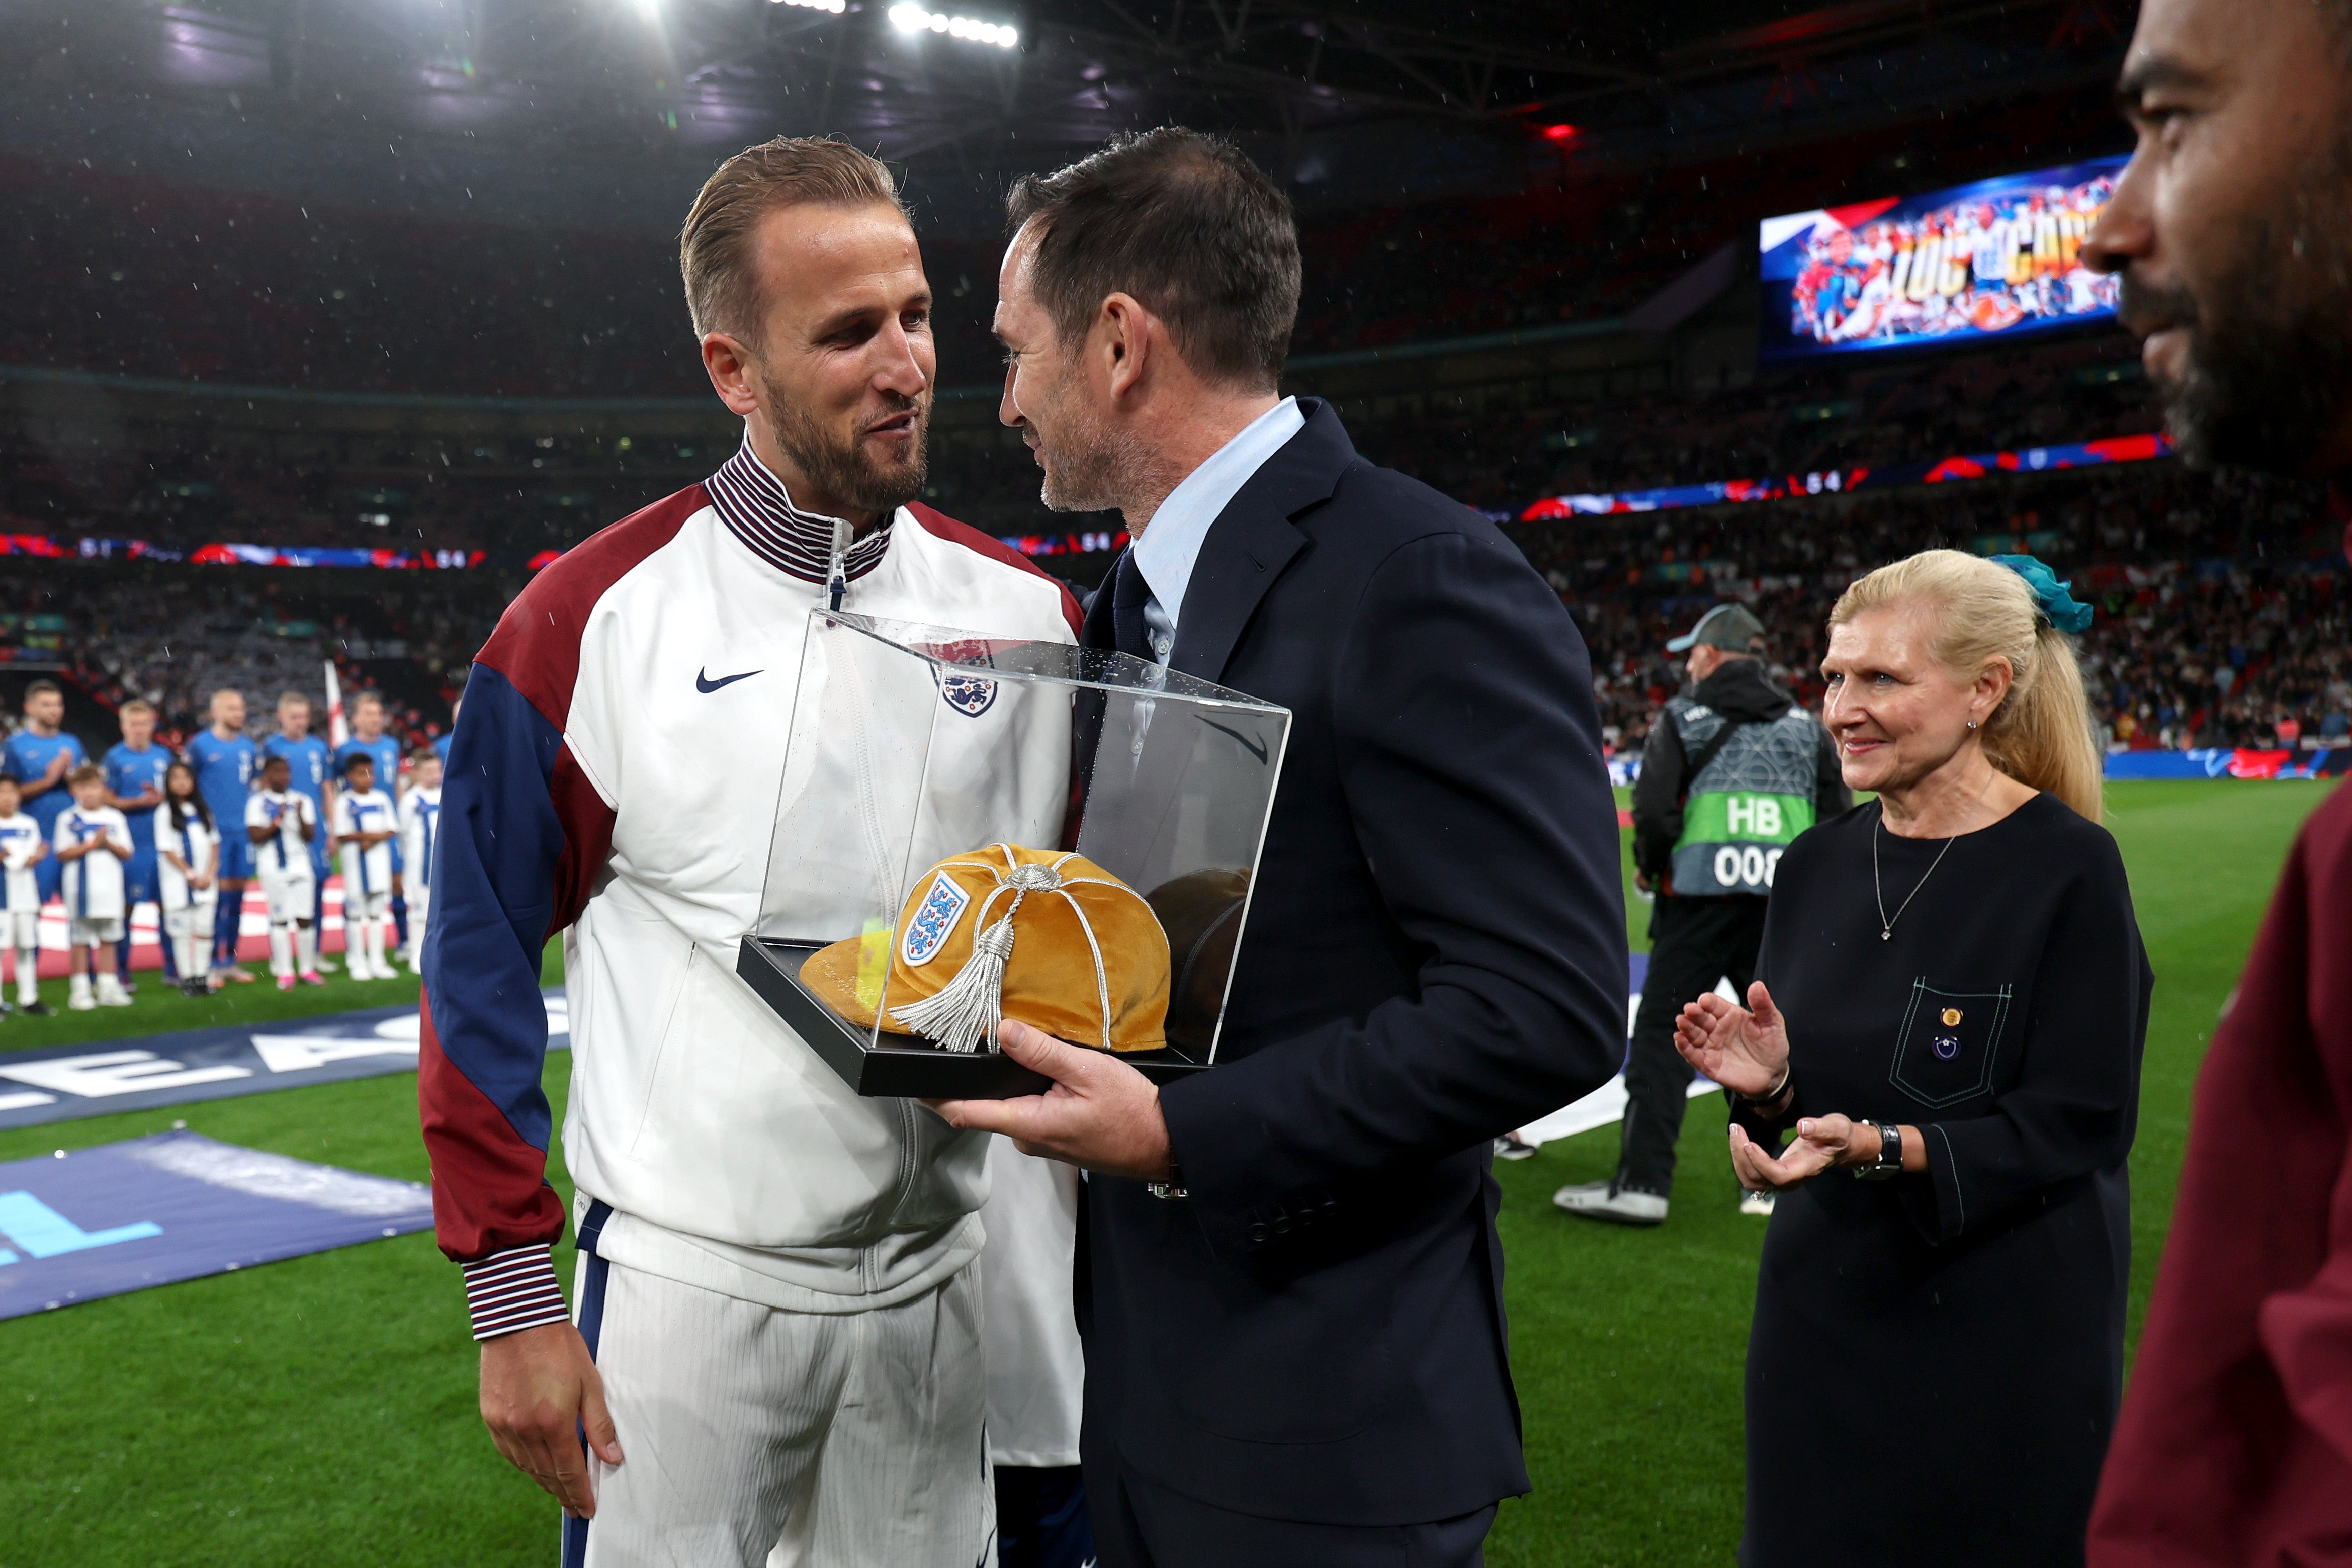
(1998, 258)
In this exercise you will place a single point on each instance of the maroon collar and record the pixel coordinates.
(759, 511)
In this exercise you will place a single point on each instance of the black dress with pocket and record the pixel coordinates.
(1936, 1360)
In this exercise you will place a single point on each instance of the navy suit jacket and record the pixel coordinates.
(1435, 954)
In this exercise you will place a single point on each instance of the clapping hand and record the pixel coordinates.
(1745, 1049)
(1823, 1142)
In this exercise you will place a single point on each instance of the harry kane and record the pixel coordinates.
(774, 1352)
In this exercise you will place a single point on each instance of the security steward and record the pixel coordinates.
(1733, 771)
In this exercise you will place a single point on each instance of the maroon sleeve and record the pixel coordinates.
(523, 836)
(2234, 1445)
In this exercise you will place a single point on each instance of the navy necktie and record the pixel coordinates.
(1127, 592)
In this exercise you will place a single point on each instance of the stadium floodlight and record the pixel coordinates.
(911, 18)
(836, 6)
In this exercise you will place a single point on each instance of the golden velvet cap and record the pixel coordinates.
(1047, 937)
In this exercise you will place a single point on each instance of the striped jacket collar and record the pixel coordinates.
(759, 511)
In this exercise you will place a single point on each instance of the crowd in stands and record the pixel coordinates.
(174, 634)
(1852, 413)
(2205, 637)
(2222, 617)
(515, 497)
(2222, 620)
(180, 489)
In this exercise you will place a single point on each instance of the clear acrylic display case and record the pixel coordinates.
(913, 743)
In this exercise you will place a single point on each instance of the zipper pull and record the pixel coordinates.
(838, 576)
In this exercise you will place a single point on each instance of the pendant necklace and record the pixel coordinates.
(1886, 920)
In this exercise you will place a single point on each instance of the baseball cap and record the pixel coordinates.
(1045, 937)
(1729, 626)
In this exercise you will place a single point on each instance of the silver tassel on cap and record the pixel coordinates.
(965, 1013)
(964, 1016)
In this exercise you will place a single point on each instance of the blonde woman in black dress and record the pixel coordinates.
(1951, 1003)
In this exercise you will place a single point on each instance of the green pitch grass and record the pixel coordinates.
(158, 1008)
(321, 1411)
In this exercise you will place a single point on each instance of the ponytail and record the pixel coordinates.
(2041, 735)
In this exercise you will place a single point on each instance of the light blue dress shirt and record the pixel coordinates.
(1170, 543)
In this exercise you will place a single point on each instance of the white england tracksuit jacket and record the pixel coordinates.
(616, 776)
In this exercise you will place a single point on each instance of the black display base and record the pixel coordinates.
(910, 1071)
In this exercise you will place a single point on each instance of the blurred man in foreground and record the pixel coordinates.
(2233, 230)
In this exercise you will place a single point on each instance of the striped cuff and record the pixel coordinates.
(512, 1290)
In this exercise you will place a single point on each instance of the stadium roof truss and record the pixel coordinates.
(708, 73)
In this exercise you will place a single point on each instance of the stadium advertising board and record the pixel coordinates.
(2001, 256)
(1836, 481)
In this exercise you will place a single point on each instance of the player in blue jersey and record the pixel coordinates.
(309, 769)
(38, 757)
(134, 786)
(369, 740)
(225, 760)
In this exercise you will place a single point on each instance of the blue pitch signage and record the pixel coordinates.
(1997, 259)
(80, 1225)
(64, 1083)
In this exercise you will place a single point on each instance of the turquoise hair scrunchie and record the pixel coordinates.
(2050, 596)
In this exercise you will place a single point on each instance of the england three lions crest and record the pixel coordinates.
(928, 931)
(969, 695)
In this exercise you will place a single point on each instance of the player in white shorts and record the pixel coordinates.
(22, 847)
(365, 823)
(776, 1357)
(420, 825)
(281, 822)
(92, 840)
(187, 875)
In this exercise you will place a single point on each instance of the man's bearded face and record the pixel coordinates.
(2266, 380)
(839, 463)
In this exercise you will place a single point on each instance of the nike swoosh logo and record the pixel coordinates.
(1255, 748)
(703, 683)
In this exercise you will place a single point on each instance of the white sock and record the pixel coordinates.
(281, 959)
(375, 950)
(195, 950)
(305, 944)
(81, 984)
(28, 975)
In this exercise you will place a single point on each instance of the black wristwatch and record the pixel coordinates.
(1889, 1164)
